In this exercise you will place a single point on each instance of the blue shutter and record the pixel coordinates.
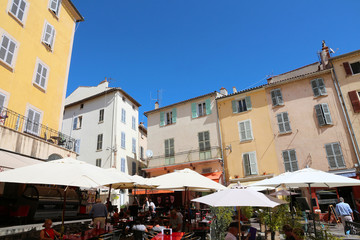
(208, 106)
(174, 115)
(193, 110)
(162, 118)
(248, 103)
(234, 107)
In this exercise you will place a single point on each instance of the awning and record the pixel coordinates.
(12, 160)
(215, 176)
(149, 191)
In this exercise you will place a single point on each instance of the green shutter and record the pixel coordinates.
(174, 115)
(247, 164)
(319, 115)
(326, 112)
(193, 110)
(162, 118)
(248, 103)
(234, 107)
(208, 106)
(315, 88)
(252, 161)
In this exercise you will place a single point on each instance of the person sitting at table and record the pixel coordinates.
(123, 213)
(98, 213)
(116, 217)
(138, 226)
(233, 231)
(157, 227)
(48, 233)
(176, 221)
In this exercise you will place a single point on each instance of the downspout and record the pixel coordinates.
(221, 146)
(345, 112)
(112, 132)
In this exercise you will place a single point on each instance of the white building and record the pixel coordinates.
(104, 122)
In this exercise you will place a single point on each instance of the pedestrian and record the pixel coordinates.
(98, 213)
(344, 211)
(48, 233)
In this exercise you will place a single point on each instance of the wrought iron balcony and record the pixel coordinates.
(20, 123)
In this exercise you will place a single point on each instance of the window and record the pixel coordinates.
(122, 164)
(7, 50)
(167, 118)
(245, 130)
(250, 165)
(351, 68)
(169, 151)
(241, 105)
(98, 162)
(290, 160)
(41, 74)
(355, 102)
(77, 146)
(323, 114)
(276, 97)
(283, 122)
(54, 6)
(204, 145)
(133, 123)
(101, 115)
(48, 35)
(33, 121)
(206, 170)
(77, 122)
(141, 153)
(201, 108)
(133, 145)
(18, 8)
(123, 140)
(99, 142)
(133, 168)
(81, 106)
(334, 155)
(2, 101)
(318, 87)
(123, 115)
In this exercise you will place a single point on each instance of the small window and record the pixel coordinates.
(355, 67)
(169, 151)
(276, 97)
(99, 142)
(241, 105)
(283, 122)
(167, 118)
(7, 50)
(41, 74)
(290, 160)
(98, 162)
(123, 140)
(123, 115)
(81, 106)
(134, 145)
(77, 124)
(245, 130)
(48, 35)
(54, 6)
(133, 107)
(133, 168)
(101, 115)
(250, 164)
(33, 121)
(204, 145)
(206, 170)
(141, 153)
(318, 87)
(124, 99)
(133, 123)
(18, 9)
(334, 155)
(122, 164)
(323, 114)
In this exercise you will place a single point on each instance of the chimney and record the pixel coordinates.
(223, 91)
(234, 90)
(156, 105)
(324, 55)
(104, 83)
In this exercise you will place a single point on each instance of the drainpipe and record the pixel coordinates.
(221, 146)
(345, 112)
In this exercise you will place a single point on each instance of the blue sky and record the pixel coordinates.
(187, 48)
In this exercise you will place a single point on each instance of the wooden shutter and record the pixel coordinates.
(36, 123)
(330, 155)
(354, 98)
(321, 86)
(347, 68)
(193, 110)
(248, 129)
(326, 112)
(201, 141)
(273, 98)
(208, 106)
(162, 118)
(319, 115)
(248, 103)
(247, 164)
(75, 123)
(77, 146)
(315, 88)
(172, 149)
(242, 131)
(338, 155)
(286, 161)
(174, 115)
(280, 122)
(279, 97)
(253, 165)
(293, 160)
(234, 106)
(286, 122)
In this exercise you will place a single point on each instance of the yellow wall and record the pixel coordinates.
(263, 137)
(18, 82)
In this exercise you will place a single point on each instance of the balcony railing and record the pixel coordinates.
(185, 157)
(20, 123)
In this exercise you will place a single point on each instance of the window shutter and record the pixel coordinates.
(172, 150)
(2, 102)
(52, 37)
(273, 98)
(21, 10)
(286, 122)
(242, 131)
(43, 77)
(253, 166)
(293, 160)
(208, 106)
(279, 97)
(162, 118)
(322, 87)
(286, 161)
(167, 148)
(77, 146)
(248, 103)
(123, 164)
(347, 68)
(280, 122)
(338, 155)
(193, 110)
(326, 112)
(174, 115)
(319, 115)
(48, 34)
(36, 123)
(330, 155)
(247, 164)
(248, 130)
(354, 98)
(75, 123)
(234, 106)
(315, 88)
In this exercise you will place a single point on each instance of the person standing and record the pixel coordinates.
(98, 213)
(344, 211)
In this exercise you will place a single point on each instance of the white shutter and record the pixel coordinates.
(248, 130)
(36, 123)
(273, 98)
(30, 119)
(47, 34)
(54, 6)
(242, 131)
(253, 165)
(247, 164)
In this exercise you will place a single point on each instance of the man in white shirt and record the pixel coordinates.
(152, 208)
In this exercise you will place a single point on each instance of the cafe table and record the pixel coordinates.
(173, 236)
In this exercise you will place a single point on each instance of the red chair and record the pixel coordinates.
(21, 213)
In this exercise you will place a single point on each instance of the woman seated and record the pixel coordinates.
(48, 233)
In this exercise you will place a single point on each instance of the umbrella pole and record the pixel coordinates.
(291, 207)
(312, 210)
(108, 202)
(239, 217)
(63, 215)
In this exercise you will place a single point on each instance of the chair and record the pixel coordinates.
(20, 213)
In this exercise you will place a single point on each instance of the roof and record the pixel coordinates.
(73, 10)
(311, 68)
(182, 102)
(82, 94)
(242, 91)
(346, 55)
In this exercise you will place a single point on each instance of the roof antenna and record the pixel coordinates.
(158, 98)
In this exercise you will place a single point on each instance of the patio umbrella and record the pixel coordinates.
(283, 193)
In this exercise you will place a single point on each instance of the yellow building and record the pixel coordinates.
(36, 39)
(247, 136)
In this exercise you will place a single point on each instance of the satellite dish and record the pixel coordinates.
(149, 153)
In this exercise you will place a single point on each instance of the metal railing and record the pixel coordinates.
(20, 123)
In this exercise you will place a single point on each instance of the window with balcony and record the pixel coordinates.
(204, 145)
(250, 164)
(334, 155)
(241, 105)
(33, 121)
(169, 151)
(290, 160)
(199, 109)
(2, 101)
